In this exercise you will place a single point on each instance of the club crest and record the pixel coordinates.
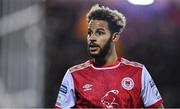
(127, 83)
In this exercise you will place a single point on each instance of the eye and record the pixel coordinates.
(89, 32)
(99, 33)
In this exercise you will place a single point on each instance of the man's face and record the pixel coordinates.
(99, 38)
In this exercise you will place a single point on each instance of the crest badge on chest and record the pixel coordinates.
(127, 83)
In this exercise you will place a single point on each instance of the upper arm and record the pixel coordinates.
(66, 96)
(149, 92)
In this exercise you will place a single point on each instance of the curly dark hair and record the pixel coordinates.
(116, 20)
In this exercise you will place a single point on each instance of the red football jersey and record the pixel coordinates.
(124, 84)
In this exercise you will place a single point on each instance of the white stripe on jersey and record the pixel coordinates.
(66, 97)
(149, 91)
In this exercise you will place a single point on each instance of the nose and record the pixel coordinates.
(92, 37)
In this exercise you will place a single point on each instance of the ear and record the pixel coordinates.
(115, 36)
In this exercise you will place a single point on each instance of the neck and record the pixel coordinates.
(109, 59)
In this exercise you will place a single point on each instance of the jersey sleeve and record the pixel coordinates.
(66, 96)
(149, 92)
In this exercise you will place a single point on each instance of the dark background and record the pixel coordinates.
(151, 37)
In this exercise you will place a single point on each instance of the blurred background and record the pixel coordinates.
(41, 39)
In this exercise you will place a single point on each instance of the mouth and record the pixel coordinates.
(93, 48)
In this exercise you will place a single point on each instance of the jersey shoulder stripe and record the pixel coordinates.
(131, 63)
(80, 66)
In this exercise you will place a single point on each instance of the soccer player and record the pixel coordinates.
(106, 81)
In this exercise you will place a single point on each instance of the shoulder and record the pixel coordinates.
(131, 63)
(80, 66)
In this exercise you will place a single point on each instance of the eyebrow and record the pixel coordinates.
(99, 29)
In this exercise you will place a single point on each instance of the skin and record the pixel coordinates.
(161, 106)
(100, 38)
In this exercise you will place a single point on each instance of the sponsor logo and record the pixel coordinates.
(154, 89)
(151, 82)
(61, 99)
(156, 93)
(63, 89)
(87, 87)
(127, 83)
(109, 99)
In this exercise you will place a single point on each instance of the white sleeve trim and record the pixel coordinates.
(66, 97)
(149, 92)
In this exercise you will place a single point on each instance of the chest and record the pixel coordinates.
(108, 88)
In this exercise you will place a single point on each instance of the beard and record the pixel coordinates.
(103, 51)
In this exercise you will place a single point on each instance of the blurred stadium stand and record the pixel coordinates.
(21, 53)
(41, 39)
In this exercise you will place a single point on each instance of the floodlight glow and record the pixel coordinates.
(141, 2)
